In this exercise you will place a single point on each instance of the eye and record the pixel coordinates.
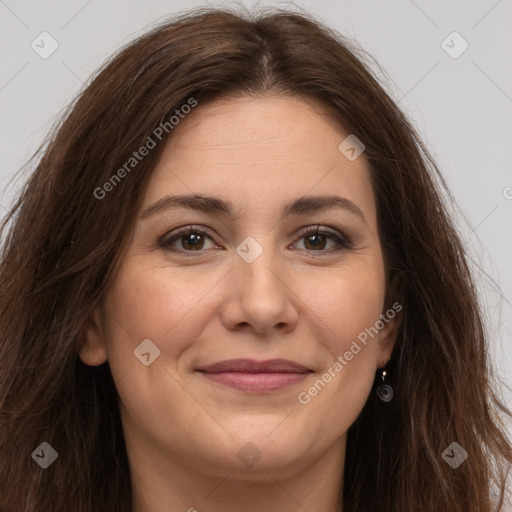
(315, 240)
(189, 239)
(192, 239)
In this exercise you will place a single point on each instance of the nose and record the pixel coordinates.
(259, 296)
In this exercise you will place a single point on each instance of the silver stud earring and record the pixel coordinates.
(385, 391)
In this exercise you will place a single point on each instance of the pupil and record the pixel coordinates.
(196, 239)
(193, 240)
(318, 240)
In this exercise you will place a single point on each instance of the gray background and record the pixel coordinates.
(461, 107)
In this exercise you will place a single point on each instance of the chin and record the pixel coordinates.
(266, 446)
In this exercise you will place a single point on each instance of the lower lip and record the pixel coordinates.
(257, 382)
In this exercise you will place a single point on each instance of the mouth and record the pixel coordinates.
(256, 376)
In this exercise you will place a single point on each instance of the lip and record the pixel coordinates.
(254, 376)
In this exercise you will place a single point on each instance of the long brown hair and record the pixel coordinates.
(62, 243)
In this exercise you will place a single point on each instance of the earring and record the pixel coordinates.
(385, 391)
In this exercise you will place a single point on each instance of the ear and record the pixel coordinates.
(392, 319)
(93, 350)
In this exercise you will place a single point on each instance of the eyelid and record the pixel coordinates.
(343, 241)
(175, 234)
(339, 237)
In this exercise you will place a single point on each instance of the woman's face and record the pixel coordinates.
(258, 285)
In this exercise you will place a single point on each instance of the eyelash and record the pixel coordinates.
(344, 243)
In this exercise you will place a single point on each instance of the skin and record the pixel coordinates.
(295, 301)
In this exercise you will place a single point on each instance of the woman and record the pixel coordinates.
(231, 284)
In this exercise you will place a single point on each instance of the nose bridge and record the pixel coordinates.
(258, 265)
(260, 296)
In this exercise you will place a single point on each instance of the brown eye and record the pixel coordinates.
(189, 239)
(316, 240)
(192, 241)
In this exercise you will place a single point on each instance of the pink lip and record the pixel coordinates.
(256, 376)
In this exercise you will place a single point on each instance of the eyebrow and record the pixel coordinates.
(216, 206)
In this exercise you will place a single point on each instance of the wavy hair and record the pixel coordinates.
(61, 244)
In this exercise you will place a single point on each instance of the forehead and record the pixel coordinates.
(255, 151)
(272, 122)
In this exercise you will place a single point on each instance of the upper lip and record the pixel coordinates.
(253, 366)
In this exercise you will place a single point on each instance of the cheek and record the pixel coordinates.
(350, 306)
(349, 301)
(163, 305)
(349, 315)
(155, 303)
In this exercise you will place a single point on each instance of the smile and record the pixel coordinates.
(256, 377)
